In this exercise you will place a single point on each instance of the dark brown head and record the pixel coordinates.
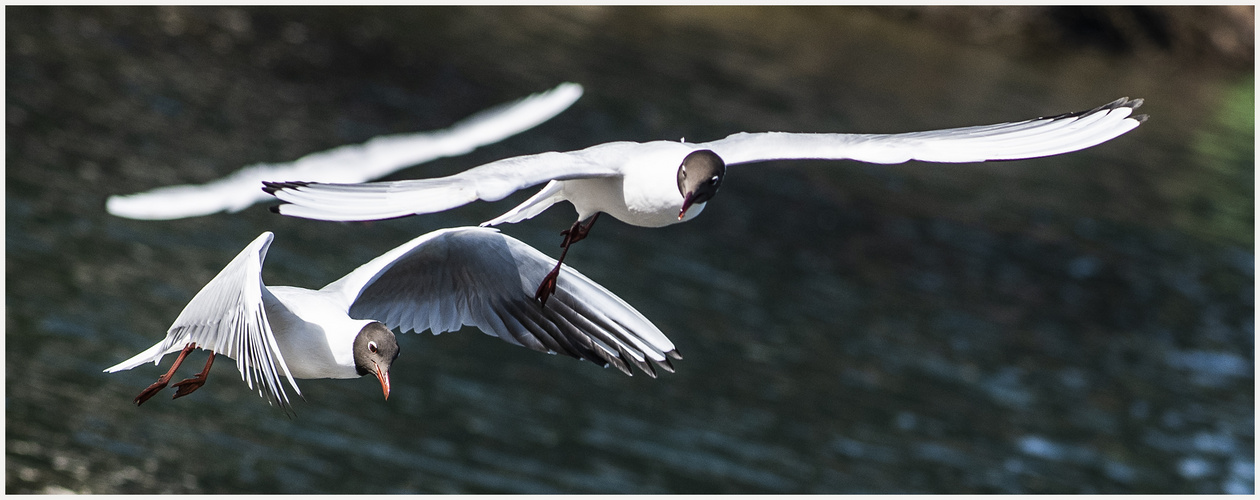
(375, 349)
(699, 177)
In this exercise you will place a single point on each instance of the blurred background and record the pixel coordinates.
(1074, 324)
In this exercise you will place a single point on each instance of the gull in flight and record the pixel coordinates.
(660, 183)
(373, 159)
(440, 281)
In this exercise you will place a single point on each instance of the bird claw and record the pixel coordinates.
(547, 287)
(578, 231)
(156, 387)
(187, 386)
(575, 233)
(149, 392)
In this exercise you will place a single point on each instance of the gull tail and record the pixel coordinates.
(548, 196)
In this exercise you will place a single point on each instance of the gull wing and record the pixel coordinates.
(227, 316)
(480, 277)
(490, 182)
(373, 159)
(1004, 141)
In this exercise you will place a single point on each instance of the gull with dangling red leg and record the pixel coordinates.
(659, 183)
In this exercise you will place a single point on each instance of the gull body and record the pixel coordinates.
(637, 197)
(439, 282)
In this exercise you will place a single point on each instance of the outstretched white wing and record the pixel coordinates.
(490, 182)
(353, 163)
(493, 181)
(227, 316)
(480, 277)
(1005, 141)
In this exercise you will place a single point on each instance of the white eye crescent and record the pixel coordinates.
(372, 346)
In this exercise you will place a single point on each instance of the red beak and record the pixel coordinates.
(384, 378)
(687, 201)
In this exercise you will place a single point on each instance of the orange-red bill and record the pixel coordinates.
(686, 204)
(384, 378)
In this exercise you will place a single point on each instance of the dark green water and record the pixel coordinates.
(1074, 324)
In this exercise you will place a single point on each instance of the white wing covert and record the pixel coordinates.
(480, 277)
(227, 316)
(1004, 141)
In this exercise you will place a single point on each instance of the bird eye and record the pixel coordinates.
(372, 346)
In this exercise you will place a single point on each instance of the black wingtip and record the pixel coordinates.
(275, 209)
(620, 365)
(1123, 102)
(646, 367)
(270, 187)
(1135, 104)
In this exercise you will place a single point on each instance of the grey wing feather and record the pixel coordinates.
(480, 277)
(228, 317)
(1005, 141)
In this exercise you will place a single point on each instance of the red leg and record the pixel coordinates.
(164, 379)
(547, 287)
(572, 235)
(578, 231)
(187, 386)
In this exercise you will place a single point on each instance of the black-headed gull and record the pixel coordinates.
(373, 159)
(659, 183)
(439, 281)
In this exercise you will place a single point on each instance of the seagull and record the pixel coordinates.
(376, 158)
(659, 183)
(440, 281)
